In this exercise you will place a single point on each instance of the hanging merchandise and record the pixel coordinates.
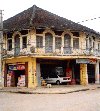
(21, 81)
(10, 79)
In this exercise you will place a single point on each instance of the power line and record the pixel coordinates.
(89, 19)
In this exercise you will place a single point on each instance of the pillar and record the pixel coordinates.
(97, 72)
(30, 75)
(34, 72)
(32, 80)
(38, 74)
(3, 73)
(83, 74)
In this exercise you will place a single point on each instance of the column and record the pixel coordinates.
(97, 72)
(34, 72)
(30, 75)
(83, 74)
(32, 80)
(3, 73)
(38, 74)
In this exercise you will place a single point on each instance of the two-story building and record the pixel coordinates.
(36, 42)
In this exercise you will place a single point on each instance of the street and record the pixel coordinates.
(77, 101)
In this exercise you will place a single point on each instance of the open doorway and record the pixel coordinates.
(18, 76)
(91, 73)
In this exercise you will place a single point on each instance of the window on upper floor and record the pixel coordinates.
(75, 43)
(57, 42)
(24, 42)
(39, 41)
(93, 44)
(48, 42)
(98, 46)
(67, 41)
(9, 44)
(87, 43)
(90, 42)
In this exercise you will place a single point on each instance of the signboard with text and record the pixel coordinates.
(16, 67)
(86, 61)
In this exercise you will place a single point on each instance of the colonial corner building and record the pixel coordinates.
(37, 42)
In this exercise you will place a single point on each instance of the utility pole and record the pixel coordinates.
(1, 44)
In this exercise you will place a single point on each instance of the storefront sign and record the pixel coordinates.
(86, 61)
(12, 67)
(20, 67)
(16, 67)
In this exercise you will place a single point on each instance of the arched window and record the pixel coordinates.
(48, 43)
(67, 41)
(17, 44)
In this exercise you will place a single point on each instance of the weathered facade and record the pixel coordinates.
(37, 41)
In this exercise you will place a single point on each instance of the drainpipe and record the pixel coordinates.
(1, 45)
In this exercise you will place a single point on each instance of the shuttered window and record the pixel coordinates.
(67, 41)
(75, 43)
(39, 41)
(48, 42)
(24, 42)
(57, 42)
(9, 44)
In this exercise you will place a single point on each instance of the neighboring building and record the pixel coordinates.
(36, 42)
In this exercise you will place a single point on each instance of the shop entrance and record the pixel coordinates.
(62, 68)
(91, 73)
(19, 78)
(76, 73)
(16, 75)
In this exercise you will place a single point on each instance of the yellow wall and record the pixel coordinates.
(83, 74)
(31, 68)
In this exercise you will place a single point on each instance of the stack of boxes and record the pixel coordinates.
(21, 81)
(10, 80)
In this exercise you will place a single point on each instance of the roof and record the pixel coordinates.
(39, 18)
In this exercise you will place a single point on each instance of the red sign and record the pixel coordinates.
(20, 67)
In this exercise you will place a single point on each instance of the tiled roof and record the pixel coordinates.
(40, 18)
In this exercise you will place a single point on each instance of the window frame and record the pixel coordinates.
(57, 42)
(9, 45)
(24, 45)
(39, 44)
(68, 41)
(75, 45)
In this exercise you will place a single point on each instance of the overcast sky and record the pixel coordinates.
(75, 10)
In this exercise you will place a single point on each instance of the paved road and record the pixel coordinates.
(77, 101)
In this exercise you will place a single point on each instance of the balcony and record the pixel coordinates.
(63, 51)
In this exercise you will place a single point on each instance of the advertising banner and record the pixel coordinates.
(86, 61)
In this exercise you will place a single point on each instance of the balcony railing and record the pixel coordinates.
(51, 51)
(67, 50)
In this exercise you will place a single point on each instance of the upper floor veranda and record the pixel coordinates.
(47, 42)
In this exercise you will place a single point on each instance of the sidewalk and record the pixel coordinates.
(62, 89)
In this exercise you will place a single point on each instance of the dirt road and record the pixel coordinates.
(77, 101)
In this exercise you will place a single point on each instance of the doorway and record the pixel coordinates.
(91, 73)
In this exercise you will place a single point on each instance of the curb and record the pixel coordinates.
(28, 92)
(47, 92)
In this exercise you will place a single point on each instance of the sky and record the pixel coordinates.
(75, 10)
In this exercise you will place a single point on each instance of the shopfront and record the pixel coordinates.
(87, 70)
(64, 68)
(16, 75)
